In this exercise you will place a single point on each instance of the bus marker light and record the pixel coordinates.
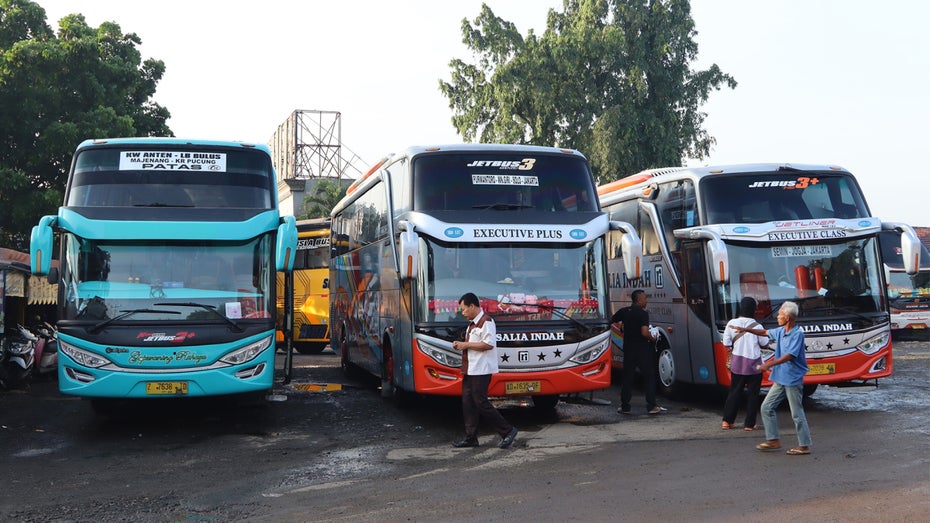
(251, 372)
(77, 375)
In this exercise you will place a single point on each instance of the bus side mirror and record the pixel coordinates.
(40, 245)
(631, 248)
(409, 251)
(286, 248)
(719, 260)
(910, 246)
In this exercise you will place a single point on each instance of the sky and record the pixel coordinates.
(841, 82)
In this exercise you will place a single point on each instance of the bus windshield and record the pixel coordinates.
(823, 279)
(104, 279)
(312, 253)
(904, 285)
(542, 281)
(758, 198)
(214, 178)
(496, 181)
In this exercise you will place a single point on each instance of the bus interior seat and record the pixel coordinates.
(753, 285)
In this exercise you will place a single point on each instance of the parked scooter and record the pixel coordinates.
(46, 351)
(17, 358)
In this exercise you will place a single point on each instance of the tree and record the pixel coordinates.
(55, 91)
(610, 78)
(326, 194)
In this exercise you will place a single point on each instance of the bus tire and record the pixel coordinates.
(389, 387)
(311, 347)
(809, 389)
(545, 403)
(666, 374)
(349, 370)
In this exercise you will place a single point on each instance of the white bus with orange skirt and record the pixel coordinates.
(519, 226)
(776, 233)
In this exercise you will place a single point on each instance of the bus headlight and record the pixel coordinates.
(874, 344)
(591, 353)
(85, 358)
(247, 353)
(442, 357)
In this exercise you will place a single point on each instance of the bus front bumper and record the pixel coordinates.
(255, 375)
(432, 378)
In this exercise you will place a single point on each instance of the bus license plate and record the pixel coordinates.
(814, 369)
(522, 387)
(178, 388)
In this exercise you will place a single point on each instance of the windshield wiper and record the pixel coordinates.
(125, 314)
(502, 206)
(210, 308)
(554, 309)
(841, 308)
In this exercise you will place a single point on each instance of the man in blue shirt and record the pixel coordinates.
(788, 366)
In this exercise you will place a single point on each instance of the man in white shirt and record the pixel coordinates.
(479, 363)
(746, 356)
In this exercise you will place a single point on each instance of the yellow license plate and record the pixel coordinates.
(821, 368)
(178, 388)
(918, 326)
(522, 387)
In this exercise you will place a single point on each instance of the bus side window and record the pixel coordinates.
(648, 234)
(95, 263)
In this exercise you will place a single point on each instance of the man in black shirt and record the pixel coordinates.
(638, 351)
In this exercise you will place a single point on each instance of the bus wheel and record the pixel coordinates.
(389, 388)
(310, 347)
(810, 389)
(665, 372)
(545, 403)
(348, 369)
(387, 374)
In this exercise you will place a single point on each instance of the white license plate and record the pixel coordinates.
(801, 250)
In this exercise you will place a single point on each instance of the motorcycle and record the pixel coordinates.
(17, 358)
(46, 351)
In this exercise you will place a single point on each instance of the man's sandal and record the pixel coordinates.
(798, 451)
(765, 445)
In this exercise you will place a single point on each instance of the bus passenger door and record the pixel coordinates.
(699, 302)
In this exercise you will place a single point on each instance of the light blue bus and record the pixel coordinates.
(168, 254)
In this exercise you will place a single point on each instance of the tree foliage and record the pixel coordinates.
(56, 91)
(326, 194)
(611, 78)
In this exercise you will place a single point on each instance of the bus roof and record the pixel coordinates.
(313, 224)
(419, 150)
(168, 141)
(645, 176)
